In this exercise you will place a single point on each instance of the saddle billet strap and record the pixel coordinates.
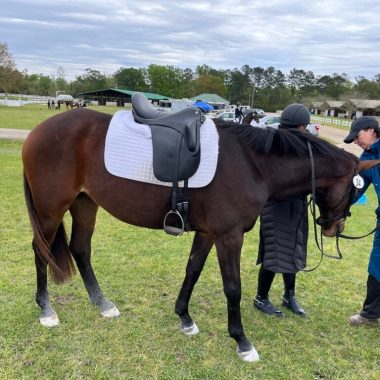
(183, 205)
(180, 202)
(176, 221)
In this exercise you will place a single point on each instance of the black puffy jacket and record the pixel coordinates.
(283, 235)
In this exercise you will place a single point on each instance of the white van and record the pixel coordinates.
(231, 107)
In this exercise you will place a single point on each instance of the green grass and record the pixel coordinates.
(141, 271)
(30, 115)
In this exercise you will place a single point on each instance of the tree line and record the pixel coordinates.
(266, 88)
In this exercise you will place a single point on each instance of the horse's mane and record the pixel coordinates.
(282, 141)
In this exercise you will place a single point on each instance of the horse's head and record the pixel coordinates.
(334, 205)
(335, 198)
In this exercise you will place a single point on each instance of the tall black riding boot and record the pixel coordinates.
(290, 302)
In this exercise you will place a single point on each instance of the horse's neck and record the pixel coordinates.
(292, 176)
(285, 176)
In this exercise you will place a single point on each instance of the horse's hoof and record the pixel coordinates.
(249, 356)
(49, 320)
(190, 330)
(113, 312)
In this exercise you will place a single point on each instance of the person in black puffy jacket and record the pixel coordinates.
(283, 234)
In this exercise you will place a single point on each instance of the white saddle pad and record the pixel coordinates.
(129, 154)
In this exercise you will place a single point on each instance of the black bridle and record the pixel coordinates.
(349, 196)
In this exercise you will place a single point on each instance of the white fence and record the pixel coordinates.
(21, 99)
(331, 121)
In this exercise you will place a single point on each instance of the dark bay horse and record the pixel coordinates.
(64, 171)
(249, 117)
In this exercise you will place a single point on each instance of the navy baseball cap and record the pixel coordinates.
(363, 122)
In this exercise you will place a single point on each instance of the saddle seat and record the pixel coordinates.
(175, 139)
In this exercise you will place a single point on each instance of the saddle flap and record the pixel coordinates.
(175, 139)
(172, 160)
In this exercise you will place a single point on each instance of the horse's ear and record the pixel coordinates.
(364, 165)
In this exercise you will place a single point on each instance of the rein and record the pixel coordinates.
(339, 235)
(313, 212)
(320, 221)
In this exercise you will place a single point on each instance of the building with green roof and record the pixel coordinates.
(215, 100)
(118, 96)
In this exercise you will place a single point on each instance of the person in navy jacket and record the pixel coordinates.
(365, 132)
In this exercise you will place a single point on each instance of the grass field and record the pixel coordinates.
(28, 116)
(141, 271)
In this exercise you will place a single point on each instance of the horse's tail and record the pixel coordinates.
(57, 256)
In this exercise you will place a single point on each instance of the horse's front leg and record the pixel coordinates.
(48, 316)
(202, 244)
(229, 249)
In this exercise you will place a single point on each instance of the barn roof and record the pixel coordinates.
(210, 98)
(333, 103)
(117, 92)
(363, 103)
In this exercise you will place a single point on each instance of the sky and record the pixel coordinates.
(325, 37)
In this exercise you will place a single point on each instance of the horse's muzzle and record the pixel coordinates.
(335, 228)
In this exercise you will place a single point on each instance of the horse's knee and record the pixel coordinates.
(232, 292)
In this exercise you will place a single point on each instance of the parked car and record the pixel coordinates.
(274, 121)
(268, 121)
(227, 116)
(313, 129)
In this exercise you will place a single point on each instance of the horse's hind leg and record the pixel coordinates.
(200, 249)
(83, 212)
(48, 316)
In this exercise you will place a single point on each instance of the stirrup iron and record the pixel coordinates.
(174, 229)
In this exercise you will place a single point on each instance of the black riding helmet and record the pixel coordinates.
(294, 115)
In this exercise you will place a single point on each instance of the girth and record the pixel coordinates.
(176, 152)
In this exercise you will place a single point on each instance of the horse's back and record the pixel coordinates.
(64, 132)
(65, 124)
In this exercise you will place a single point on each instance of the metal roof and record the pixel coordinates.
(118, 92)
(350, 103)
(210, 98)
(363, 103)
(334, 103)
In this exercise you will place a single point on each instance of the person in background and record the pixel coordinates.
(365, 132)
(283, 234)
(238, 113)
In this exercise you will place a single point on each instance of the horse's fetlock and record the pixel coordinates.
(180, 308)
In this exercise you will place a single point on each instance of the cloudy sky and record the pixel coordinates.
(326, 37)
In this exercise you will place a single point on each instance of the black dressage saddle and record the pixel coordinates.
(175, 139)
(176, 152)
